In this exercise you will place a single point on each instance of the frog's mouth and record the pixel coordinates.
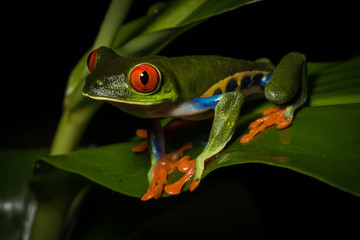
(108, 99)
(149, 109)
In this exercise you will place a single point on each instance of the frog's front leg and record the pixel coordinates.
(227, 109)
(289, 76)
(226, 114)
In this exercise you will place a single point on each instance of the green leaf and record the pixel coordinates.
(151, 43)
(322, 141)
(185, 12)
(334, 83)
(125, 174)
(173, 20)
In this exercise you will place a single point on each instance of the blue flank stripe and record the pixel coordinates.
(266, 79)
(206, 102)
(200, 104)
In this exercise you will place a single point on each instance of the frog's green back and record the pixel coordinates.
(192, 76)
(180, 78)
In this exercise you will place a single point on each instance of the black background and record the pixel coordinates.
(42, 42)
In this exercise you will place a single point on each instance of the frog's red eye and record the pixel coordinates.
(144, 78)
(91, 60)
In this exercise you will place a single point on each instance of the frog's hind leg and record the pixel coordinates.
(162, 164)
(289, 76)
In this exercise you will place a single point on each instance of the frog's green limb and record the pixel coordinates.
(286, 79)
(226, 114)
(289, 76)
(289, 112)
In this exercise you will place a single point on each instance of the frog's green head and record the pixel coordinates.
(127, 80)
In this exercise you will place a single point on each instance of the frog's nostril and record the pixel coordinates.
(100, 82)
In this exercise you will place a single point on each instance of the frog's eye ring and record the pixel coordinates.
(144, 78)
(91, 60)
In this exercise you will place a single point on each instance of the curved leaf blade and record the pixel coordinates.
(173, 20)
(322, 143)
(113, 166)
(212, 8)
(325, 149)
(151, 43)
(334, 83)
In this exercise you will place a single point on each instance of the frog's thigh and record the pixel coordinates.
(226, 114)
(287, 78)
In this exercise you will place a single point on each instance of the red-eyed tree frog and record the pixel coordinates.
(194, 88)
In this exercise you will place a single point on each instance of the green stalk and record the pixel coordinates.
(52, 214)
(48, 222)
(114, 18)
(74, 121)
(71, 127)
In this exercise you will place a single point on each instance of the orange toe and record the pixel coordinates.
(270, 110)
(283, 124)
(272, 116)
(176, 187)
(246, 138)
(141, 147)
(184, 164)
(194, 184)
(160, 173)
(142, 133)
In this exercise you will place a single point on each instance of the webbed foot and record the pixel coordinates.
(187, 166)
(276, 115)
(164, 167)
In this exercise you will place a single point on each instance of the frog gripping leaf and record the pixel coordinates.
(194, 88)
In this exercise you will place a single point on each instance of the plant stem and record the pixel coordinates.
(48, 222)
(70, 129)
(50, 218)
(114, 17)
(73, 122)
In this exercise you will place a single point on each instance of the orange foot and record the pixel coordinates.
(187, 166)
(166, 165)
(144, 145)
(272, 116)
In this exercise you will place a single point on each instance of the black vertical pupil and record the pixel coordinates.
(144, 77)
